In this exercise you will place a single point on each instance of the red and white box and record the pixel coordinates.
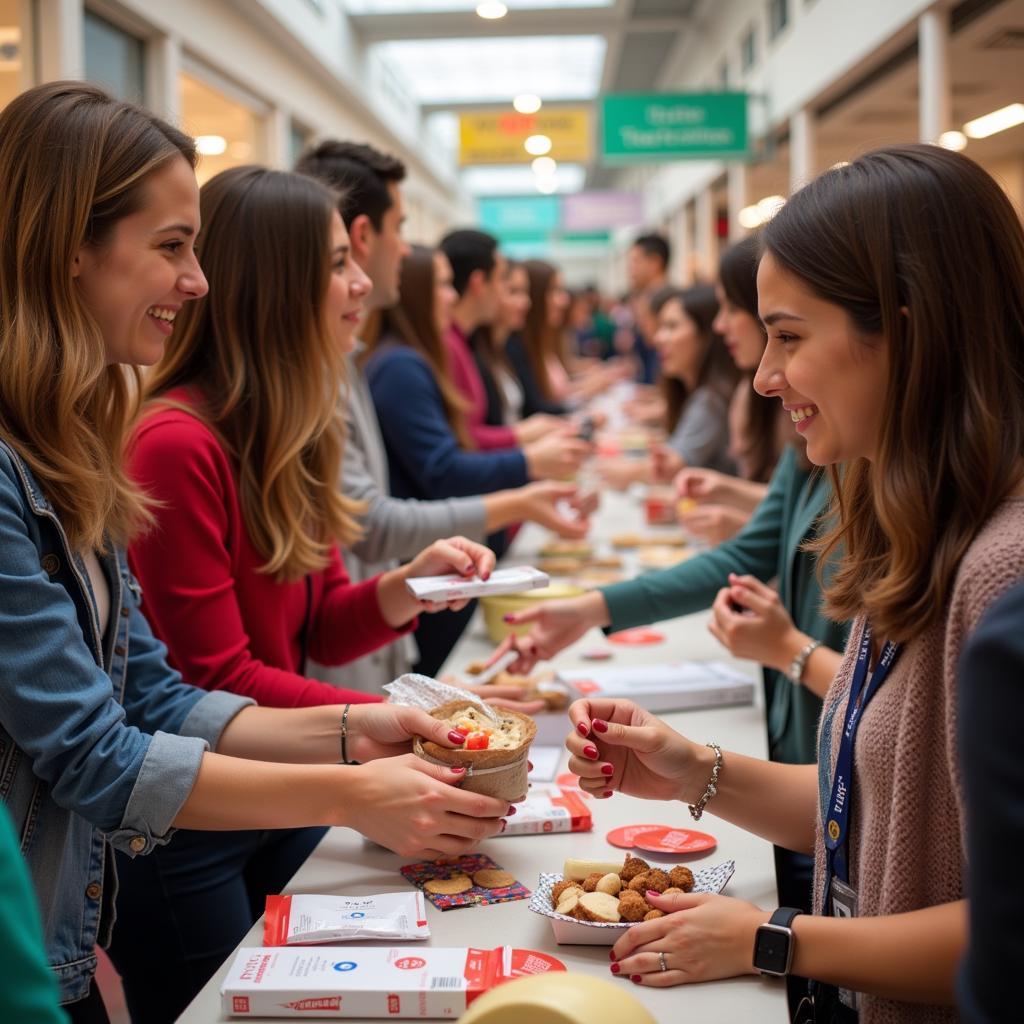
(411, 983)
(456, 588)
(549, 808)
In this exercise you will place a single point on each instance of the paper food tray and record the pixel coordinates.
(569, 931)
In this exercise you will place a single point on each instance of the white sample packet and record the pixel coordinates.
(456, 588)
(416, 691)
(304, 919)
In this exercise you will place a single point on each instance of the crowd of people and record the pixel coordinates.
(236, 419)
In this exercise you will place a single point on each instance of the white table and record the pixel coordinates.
(345, 863)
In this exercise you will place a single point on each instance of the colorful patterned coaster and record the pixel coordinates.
(453, 870)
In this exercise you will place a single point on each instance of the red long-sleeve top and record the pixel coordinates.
(466, 378)
(228, 626)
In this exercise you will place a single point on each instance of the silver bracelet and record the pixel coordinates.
(344, 736)
(799, 663)
(697, 809)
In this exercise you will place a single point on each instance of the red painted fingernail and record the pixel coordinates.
(590, 750)
(468, 567)
(511, 810)
(529, 766)
(458, 769)
(504, 824)
(600, 726)
(456, 737)
(607, 769)
(635, 978)
(653, 892)
(607, 793)
(615, 968)
(507, 618)
(611, 955)
(582, 729)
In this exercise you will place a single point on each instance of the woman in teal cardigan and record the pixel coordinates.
(750, 618)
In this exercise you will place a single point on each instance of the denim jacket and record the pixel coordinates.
(100, 740)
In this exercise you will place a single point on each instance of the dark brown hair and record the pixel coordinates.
(540, 338)
(925, 253)
(73, 163)
(265, 372)
(413, 322)
(717, 370)
(737, 274)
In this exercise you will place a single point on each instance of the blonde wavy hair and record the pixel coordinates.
(260, 366)
(73, 162)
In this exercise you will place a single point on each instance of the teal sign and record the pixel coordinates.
(674, 126)
(520, 215)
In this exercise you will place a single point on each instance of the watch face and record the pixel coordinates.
(771, 950)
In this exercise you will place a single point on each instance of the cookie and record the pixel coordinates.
(491, 878)
(450, 886)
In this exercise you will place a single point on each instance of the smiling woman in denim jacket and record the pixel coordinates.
(101, 743)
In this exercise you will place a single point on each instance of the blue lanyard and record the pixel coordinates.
(837, 815)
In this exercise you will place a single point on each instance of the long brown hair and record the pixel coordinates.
(73, 162)
(737, 274)
(717, 369)
(541, 339)
(413, 323)
(926, 254)
(265, 373)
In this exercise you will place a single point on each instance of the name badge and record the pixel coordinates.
(844, 904)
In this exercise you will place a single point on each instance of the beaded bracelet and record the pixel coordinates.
(697, 809)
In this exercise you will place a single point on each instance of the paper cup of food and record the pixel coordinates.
(494, 754)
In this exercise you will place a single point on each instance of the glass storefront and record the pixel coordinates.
(114, 59)
(227, 132)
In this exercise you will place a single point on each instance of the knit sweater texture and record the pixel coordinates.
(907, 826)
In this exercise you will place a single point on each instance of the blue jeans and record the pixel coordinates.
(182, 909)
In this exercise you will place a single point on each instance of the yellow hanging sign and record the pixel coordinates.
(498, 136)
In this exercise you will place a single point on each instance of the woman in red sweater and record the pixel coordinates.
(240, 446)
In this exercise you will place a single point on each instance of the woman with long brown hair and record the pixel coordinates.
(893, 294)
(240, 444)
(106, 747)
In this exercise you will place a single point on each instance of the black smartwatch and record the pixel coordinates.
(773, 943)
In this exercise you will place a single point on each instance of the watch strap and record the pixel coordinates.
(783, 917)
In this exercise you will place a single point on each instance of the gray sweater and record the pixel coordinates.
(396, 529)
(701, 436)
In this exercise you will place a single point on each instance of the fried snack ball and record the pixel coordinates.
(632, 906)
(559, 887)
(681, 877)
(671, 890)
(653, 915)
(590, 882)
(655, 879)
(633, 867)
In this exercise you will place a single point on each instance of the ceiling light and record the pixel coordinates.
(544, 166)
(997, 121)
(527, 103)
(750, 217)
(491, 9)
(537, 145)
(953, 140)
(211, 145)
(769, 206)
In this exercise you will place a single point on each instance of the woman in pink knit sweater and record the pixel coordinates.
(892, 291)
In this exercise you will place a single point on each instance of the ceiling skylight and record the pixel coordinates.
(437, 6)
(495, 69)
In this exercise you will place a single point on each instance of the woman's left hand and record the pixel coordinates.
(386, 730)
(748, 618)
(702, 935)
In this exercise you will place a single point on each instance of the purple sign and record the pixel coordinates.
(599, 211)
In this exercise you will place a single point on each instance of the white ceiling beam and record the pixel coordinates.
(380, 28)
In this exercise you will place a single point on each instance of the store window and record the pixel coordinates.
(226, 130)
(114, 59)
(15, 64)
(748, 49)
(299, 139)
(778, 16)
